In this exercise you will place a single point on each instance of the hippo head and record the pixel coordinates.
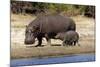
(60, 36)
(30, 35)
(57, 36)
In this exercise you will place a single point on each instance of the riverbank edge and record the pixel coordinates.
(51, 56)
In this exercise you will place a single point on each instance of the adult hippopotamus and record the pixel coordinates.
(47, 26)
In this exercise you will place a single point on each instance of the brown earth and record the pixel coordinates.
(85, 28)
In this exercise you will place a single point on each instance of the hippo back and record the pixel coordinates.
(56, 23)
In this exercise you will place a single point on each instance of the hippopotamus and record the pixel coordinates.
(47, 26)
(69, 38)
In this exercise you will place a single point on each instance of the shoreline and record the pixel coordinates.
(54, 56)
(54, 51)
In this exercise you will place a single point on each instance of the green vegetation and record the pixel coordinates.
(24, 7)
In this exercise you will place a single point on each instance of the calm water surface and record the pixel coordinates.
(53, 60)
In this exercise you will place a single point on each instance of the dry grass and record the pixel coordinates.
(20, 21)
(85, 28)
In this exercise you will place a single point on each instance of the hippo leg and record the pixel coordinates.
(64, 43)
(77, 43)
(39, 41)
(74, 43)
(69, 43)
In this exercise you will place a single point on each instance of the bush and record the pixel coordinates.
(49, 8)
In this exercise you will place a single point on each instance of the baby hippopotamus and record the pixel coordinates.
(69, 38)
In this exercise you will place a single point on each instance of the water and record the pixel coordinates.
(53, 60)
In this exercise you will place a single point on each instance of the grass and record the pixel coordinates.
(48, 51)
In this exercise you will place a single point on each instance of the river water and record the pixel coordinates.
(53, 60)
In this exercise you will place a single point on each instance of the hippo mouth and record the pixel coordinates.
(29, 42)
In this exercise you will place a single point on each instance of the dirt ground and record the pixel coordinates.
(85, 28)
